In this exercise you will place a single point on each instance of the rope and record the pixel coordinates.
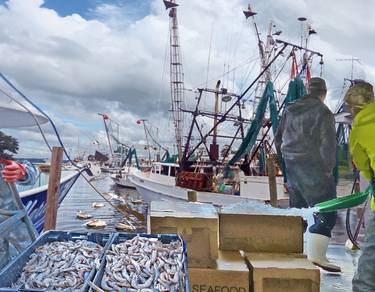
(136, 214)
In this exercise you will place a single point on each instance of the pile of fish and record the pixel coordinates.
(60, 265)
(144, 263)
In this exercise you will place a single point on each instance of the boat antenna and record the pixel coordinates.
(352, 60)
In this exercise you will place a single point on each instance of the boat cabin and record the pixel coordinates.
(166, 169)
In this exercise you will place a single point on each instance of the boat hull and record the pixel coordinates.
(154, 190)
(123, 181)
(35, 200)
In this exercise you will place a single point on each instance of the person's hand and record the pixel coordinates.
(13, 172)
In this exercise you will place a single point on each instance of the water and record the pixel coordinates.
(82, 196)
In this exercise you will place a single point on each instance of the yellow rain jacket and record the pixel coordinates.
(362, 142)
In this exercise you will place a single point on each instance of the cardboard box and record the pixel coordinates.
(282, 272)
(231, 274)
(197, 223)
(261, 233)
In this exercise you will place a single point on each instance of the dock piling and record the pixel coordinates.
(53, 187)
(270, 162)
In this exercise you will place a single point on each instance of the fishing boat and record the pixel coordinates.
(94, 173)
(161, 181)
(121, 178)
(200, 162)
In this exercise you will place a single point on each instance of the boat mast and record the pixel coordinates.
(176, 73)
(143, 121)
(214, 148)
(265, 53)
(105, 117)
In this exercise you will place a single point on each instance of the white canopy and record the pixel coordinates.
(13, 118)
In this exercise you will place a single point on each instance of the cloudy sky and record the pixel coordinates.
(79, 58)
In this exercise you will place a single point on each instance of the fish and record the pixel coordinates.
(124, 227)
(96, 223)
(60, 265)
(137, 202)
(144, 264)
(82, 215)
(97, 205)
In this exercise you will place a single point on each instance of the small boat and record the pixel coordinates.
(121, 178)
(94, 170)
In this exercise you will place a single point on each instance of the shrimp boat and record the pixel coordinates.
(214, 175)
(161, 182)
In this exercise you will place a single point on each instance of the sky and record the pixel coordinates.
(76, 59)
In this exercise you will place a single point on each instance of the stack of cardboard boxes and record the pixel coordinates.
(231, 252)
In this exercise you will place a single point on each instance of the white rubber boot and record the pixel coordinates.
(316, 252)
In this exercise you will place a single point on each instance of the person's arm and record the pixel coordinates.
(31, 174)
(23, 173)
(328, 142)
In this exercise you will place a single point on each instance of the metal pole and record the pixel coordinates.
(214, 141)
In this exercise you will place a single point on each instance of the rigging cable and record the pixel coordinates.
(248, 61)
(31, 113)
(208, 62)
(163, 74)
(44, 114)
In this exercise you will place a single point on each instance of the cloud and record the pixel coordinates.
(115, 61)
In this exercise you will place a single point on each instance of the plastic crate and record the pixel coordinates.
(164, 238)
(13, 270)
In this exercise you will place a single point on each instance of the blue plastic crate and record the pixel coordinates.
(164, 238)
(13, 270)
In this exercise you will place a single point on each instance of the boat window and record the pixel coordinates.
(164, 170)
(173, 171)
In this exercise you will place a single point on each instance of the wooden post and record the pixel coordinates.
(270, 162)
(53, 188)
(192, 196)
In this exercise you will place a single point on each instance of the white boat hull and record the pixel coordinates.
(153, 188)
(122, 181)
